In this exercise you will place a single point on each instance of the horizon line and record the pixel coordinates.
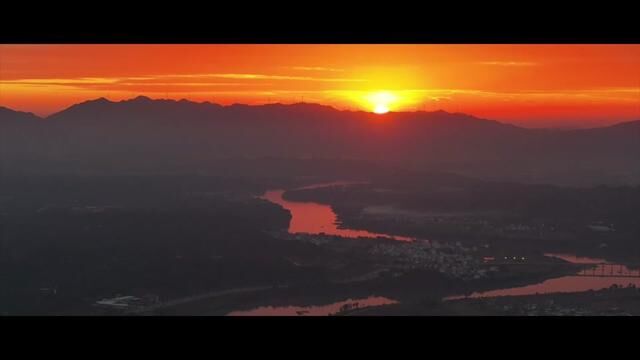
(350, 110)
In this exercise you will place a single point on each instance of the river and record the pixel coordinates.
(609, 275)
(315, 218)
(316, 310)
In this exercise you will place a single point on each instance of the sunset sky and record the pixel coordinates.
(529, 85)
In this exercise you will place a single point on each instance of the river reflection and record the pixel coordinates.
(600, 276)
(314, 218)
(322, 310)
(577, 259)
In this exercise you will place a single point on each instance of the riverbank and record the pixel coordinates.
(418, 287)
(616, 301)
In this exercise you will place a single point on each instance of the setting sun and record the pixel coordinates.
(526, 85)
(381, 101)
(397, 179)
(381, 109)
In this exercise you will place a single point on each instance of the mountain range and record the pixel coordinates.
(145, 136)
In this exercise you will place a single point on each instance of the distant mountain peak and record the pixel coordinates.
(100, 100)
(6, 109)
(439, 115)
(139, 98)
(6, 112)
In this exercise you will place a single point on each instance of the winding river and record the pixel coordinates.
(315, 218)
(617, 275)
(318, 310)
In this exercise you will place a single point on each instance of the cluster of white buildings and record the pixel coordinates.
(453, 260)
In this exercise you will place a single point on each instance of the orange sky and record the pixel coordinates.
(530, 85)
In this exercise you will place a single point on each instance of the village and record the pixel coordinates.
(452, 259)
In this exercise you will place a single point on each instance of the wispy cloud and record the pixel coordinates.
(315, 68)
(70, 82)
(508, 63)
(255, 76)
(623, 95)
(125, 84)
(269, 84)
(173, 80)
(283, 77)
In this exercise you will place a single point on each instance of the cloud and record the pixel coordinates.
(315, 68)
(128, 83)
(282, 77)
(72, 81)
(508, 63)
(439, 98)
(287, 85)
(253, 76)
(624, 95)
(175, 77)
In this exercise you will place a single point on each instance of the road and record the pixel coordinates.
(208, 295)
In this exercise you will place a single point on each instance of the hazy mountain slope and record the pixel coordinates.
(166, 136)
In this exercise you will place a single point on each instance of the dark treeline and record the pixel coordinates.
(90, 238)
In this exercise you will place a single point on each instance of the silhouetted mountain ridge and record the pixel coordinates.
(7, 114)
(169, 136)
(141, 101)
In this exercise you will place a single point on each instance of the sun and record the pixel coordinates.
(381, 109)
(381, 101)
